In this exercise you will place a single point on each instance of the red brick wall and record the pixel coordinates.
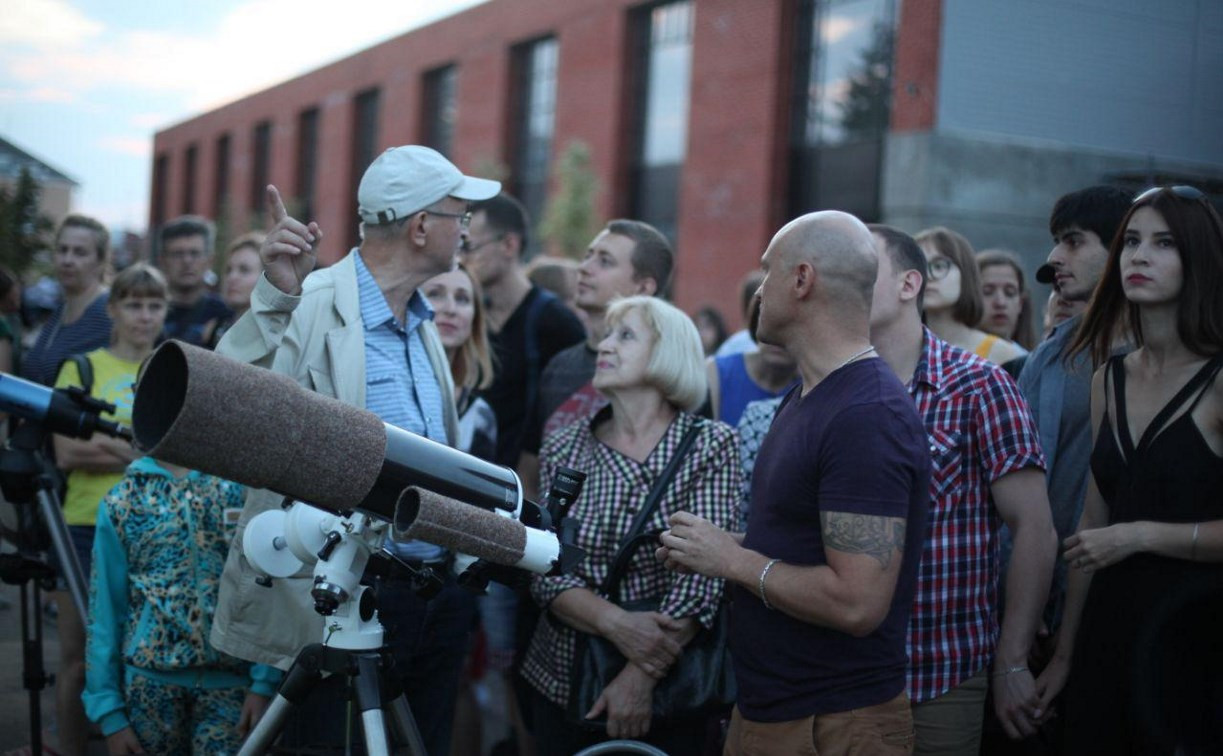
(915, 82)
(732, 188)
(730, 203)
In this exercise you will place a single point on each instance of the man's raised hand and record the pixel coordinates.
(290, 249)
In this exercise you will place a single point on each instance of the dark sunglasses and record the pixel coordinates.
(1184, 191)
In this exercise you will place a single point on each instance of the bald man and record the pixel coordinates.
(823, 581)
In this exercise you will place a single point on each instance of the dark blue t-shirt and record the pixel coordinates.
(192, 324)
(855, 444)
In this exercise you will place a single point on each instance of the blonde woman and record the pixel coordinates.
(458, 311)
(81, 322)
(650, 367)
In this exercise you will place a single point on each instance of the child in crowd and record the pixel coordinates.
(134, 314)
(153, 682)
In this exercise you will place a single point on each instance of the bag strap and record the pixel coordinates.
(611, 584)
(84, 369)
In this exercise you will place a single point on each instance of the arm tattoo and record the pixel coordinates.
(874, 536)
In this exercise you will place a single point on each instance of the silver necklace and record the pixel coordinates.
(863, 353)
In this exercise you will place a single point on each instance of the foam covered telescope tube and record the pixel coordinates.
(429, 517)
(207, 412)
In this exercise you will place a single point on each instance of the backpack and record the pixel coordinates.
(84, 369)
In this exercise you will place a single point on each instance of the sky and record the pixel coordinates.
(84, 84)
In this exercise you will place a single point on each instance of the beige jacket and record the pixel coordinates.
(318, 339)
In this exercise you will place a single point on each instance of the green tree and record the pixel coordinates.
(867, 105)
(23, 229)
(569, 220)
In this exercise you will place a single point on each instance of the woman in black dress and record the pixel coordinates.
(1140, 649)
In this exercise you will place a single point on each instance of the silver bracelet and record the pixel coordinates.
(1009, 671)
(763, 574)
(1193, 545)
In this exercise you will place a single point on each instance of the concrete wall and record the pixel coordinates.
(998, 192)
(1118, 75)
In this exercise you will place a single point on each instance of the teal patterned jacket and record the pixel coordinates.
(159, 549)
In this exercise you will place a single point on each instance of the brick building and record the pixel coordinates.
(720, 119)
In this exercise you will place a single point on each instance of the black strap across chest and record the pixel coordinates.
(1198, 384)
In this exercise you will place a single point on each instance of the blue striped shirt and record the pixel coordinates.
(400, 385)
(57, 341)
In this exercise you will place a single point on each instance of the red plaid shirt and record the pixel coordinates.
(980, 429)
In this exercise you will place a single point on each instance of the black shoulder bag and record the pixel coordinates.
(701, 680)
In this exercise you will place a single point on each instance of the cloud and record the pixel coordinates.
(133, 146)
(838, 27)
(255, 45)
(37, 94)
(149, 120)
(45, 25)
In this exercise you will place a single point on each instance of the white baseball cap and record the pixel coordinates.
(406, 180)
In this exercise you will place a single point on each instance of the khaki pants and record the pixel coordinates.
(885, 729)
(950, 725)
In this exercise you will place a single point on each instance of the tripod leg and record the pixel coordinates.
(369, 698)
(31, 641)
(293, 690)
(49, 507)
(405, 724)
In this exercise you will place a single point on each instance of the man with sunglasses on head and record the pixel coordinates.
(359, 331)
(527, 325)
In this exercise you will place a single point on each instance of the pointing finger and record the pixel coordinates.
(275, 205)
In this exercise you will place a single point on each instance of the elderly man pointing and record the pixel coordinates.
(359, 331)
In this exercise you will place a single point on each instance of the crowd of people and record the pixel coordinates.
(924, 527)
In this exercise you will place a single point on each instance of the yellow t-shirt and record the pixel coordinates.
(113, 381)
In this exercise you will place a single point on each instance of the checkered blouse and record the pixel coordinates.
(706, 484)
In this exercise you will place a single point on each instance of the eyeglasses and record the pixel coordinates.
(939, 267)
(469, 248)
(183, 254)
(1184, 191)
(464, 218)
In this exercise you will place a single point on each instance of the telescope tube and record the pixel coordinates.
(207, 412)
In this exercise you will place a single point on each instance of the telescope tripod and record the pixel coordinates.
(353, 645)
(365, 670)
(26, 476)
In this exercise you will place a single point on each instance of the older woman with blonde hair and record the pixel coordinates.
(650, 367)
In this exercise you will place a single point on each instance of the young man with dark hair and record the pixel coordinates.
(1057, 387)
(527, 326)
(988, 470)
(185, 258)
